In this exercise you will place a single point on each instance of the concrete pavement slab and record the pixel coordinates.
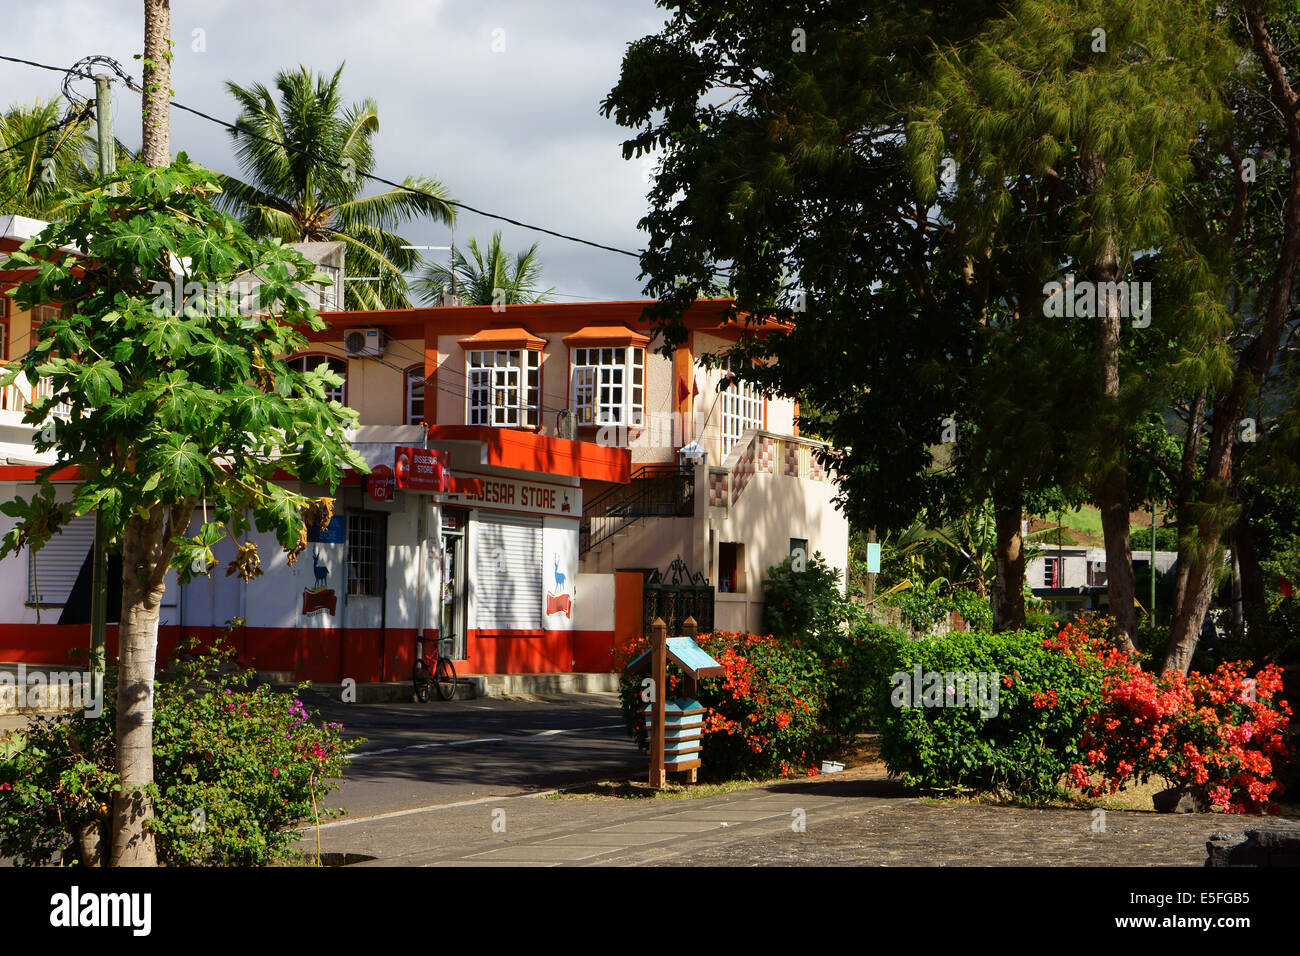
(661, 825)
(623, 840)
(541, 853)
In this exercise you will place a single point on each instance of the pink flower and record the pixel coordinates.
(275, 771)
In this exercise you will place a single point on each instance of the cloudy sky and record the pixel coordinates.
(515, 131)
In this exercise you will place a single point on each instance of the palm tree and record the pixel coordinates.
(33, 174)
(293, 192)
(493, 277)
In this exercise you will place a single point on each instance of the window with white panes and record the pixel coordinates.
(505, 387)
(742, 409)
(609, 385)
(305, 363)
(1051, 573)
(415, 394)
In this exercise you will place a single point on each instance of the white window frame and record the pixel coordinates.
(608, 385)
(304, 363)
(742, 410)
(1050, 563)
(503, 387)
(415, 381)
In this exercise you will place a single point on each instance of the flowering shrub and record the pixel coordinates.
(1225, 731)
(765, 715)
(236, 769)
(1024, 742)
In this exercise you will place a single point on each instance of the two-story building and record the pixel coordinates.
(537, 470)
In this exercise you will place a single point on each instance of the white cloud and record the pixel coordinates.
(516, 132)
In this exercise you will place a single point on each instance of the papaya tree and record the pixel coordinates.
(181, 419)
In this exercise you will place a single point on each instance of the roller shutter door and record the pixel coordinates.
(507, 572)
(53, 570)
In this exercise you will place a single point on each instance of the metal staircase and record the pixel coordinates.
(654, 491)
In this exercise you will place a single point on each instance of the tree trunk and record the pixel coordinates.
(90, 841)
(1183, 504)
(1217, 511)
(1252, 577)
(146, 547)
(155, 147)
(137, 642)
(1009, 569)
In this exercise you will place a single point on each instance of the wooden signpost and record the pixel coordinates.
(676, 727)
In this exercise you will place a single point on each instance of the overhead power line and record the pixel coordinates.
(236, 128)
(72, 117)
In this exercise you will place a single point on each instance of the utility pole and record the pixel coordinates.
(99, 561)
(1153, 561)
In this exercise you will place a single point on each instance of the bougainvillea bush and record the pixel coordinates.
(237, 769)
(1015, 728)
(1225, 731)
(765, 716)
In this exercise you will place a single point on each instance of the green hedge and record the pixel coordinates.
(1023, 739)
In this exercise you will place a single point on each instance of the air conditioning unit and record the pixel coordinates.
(359, 343)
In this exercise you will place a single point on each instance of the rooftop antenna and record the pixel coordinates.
(452, 249)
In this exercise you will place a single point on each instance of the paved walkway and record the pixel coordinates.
(857, 818)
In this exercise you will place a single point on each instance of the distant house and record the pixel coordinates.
(1074, 578)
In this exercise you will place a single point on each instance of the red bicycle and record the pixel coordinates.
(440, 673)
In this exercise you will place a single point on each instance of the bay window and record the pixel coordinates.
(609, 385)
(505, 387)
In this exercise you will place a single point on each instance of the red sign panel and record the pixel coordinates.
(380, 483)
(421, 469)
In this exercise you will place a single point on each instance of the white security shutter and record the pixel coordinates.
(53, 570)
(507, 572)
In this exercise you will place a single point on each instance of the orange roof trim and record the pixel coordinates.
(605, 335)
(528, 451)
(511, 338)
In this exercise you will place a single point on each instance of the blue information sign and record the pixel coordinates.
(335, 533)
(873, 558)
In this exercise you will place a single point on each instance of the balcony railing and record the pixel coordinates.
(654, 491)
(16, 397)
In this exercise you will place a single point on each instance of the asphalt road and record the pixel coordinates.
(438, 753)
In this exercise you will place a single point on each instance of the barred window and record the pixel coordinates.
(609, 385)
(364, 554)
(505, 387)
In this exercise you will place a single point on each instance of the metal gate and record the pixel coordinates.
(675, 595)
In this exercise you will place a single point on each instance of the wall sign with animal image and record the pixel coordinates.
(320, 598)
(561, 599)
